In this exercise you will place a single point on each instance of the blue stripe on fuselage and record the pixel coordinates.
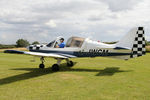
(88, 54)
(118, 48)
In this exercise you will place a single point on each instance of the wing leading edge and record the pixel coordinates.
(52, 55)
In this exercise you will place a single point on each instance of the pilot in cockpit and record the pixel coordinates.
(62, 43)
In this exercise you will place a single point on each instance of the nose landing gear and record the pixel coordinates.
(42, 66)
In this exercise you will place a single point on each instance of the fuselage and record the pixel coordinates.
(87, 48)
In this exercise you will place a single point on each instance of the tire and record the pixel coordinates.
(42, 66)
(55, 67)
(70, 64)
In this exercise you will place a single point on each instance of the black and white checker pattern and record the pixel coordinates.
(35, 47)
(139, 44)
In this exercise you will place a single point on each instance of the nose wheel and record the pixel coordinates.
(42, 66)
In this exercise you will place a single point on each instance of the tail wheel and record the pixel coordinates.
(70, 64)
(41, 66)
(55, 67)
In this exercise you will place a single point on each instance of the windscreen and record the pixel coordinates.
(51, 44)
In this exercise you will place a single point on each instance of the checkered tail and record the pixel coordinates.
(139, 44)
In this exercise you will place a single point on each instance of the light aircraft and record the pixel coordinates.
(130, 46)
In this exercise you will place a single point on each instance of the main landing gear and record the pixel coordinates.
(69, 63)
(55, 67)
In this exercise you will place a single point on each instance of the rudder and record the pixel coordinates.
(138, 44)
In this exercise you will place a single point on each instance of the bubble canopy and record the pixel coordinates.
(71, 42)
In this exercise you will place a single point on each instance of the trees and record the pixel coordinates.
(147, 42)
(35, 42)
(22, 43)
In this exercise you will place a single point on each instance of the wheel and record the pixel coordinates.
(55, 67)
(70, 64)
(41, 66)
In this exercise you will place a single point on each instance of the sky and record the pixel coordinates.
(44, 20)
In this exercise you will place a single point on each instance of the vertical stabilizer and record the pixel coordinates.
(135, 41)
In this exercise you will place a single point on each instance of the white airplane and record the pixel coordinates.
(131, 46)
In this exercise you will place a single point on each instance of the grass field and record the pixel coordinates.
(90, 79)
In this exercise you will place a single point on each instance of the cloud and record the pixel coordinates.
(44, 20)
(51, 23)
(121, 5)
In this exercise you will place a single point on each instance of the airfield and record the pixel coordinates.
(90, 79)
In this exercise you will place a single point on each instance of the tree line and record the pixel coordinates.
(19, 43)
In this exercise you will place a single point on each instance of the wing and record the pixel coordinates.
(52, 55)
(45, 54)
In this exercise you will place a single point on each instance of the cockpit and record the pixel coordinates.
(71, 42)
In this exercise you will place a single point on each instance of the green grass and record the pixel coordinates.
(90, 79)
